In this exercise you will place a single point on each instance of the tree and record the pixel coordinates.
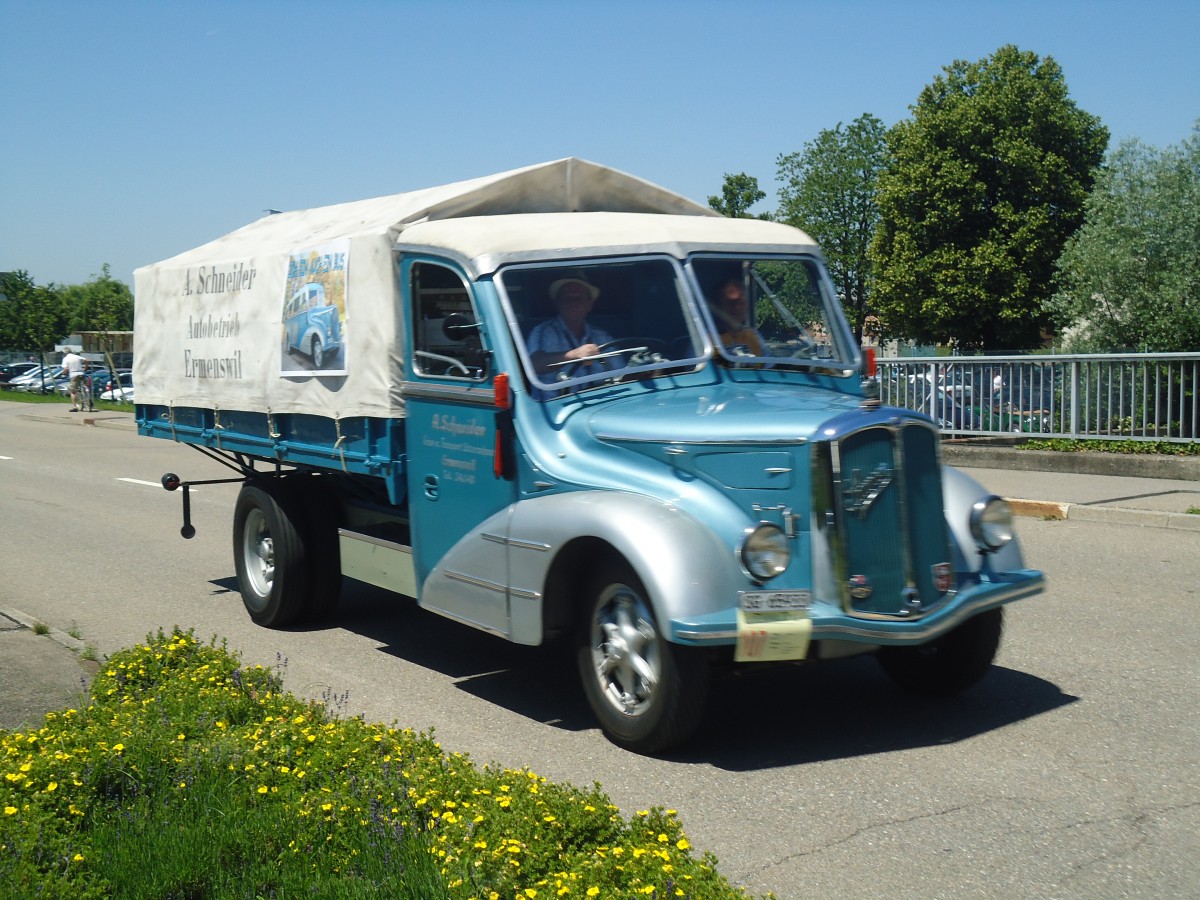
(829, 191)
(102, 304)
(986, 182)
(16, 288)
(738, 194)
(32, 317)
(1130, 277)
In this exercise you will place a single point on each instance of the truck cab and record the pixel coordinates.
(647, 433)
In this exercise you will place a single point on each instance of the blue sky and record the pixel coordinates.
(132, 131)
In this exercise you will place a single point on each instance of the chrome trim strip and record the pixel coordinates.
(708, 635)
(741, 442)
(476, 395)
(516, 542)
(477, 582)
(378, 542)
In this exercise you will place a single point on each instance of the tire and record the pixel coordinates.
(318, 352)
(950, 664)
(647, 693)
(324, 557)
(269, 554)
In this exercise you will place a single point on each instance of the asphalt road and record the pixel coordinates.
(1072, 771)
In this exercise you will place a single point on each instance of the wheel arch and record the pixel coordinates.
(685, 567)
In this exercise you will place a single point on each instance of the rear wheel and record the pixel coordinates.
(950, 664)
(269, 554)
(647, 693)
(324, 554)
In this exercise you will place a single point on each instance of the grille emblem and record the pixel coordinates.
(861, 493)
(860, 587)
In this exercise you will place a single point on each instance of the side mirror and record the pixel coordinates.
(457, 326)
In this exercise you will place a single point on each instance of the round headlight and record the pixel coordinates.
(765, 552)
(991, 523)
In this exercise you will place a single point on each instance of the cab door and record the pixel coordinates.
(459, 497)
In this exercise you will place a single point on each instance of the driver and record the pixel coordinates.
(730, 311)
(569, 336)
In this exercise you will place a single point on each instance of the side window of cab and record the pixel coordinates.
(446, 340)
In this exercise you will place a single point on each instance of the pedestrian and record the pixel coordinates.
(72, 366)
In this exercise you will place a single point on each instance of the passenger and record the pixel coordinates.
(569, 336)
(731, 312)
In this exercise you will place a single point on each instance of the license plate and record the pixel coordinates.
(773, 601)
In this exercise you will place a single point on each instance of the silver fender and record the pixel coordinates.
(959, 493)
(686, 569)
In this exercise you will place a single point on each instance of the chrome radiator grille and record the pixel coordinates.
(881, 510)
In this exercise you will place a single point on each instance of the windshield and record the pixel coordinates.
(779, 311)
(589, 323)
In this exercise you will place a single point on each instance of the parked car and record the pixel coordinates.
(118, 395)
(9, 371)
(119, 390)
(33, 375)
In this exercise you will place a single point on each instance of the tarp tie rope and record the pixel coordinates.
(217, 426)
(169, 415)
(337, 424)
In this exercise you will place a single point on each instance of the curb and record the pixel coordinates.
(111, 420)
(1114, 515)
(60, 637)
(1084, 462)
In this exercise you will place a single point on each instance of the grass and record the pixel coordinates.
(189, 775)
(55, 398)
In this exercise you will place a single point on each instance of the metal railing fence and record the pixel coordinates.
(1122, 396)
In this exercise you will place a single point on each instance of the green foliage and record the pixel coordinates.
(102, 304)
(191, 775)
(830, 192)
(32, 317)
(1074, 445)
(35, 317)
(986, 182)
(738, 194)
(1130, 277)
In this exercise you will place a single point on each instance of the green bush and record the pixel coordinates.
(1073, 445)
(188, 775)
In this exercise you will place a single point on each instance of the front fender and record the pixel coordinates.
(686, 569)
(959, 493)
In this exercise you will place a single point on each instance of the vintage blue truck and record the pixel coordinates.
(570, 404)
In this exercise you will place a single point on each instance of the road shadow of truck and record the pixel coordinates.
(758, 718)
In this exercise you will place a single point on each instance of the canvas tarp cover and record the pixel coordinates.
(230, 325)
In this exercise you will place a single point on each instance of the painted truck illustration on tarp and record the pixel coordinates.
(311, 325)
(585, 409)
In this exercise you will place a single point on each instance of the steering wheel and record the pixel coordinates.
(615, 348)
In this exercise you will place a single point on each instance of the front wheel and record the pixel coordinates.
(318, 352)
(647, 693)
(950, 664)
(269, 555)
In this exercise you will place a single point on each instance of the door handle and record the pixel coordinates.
(431, 487)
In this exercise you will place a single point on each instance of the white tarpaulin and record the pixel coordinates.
(231, 324)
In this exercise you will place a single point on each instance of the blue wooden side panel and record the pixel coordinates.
(360, 445)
